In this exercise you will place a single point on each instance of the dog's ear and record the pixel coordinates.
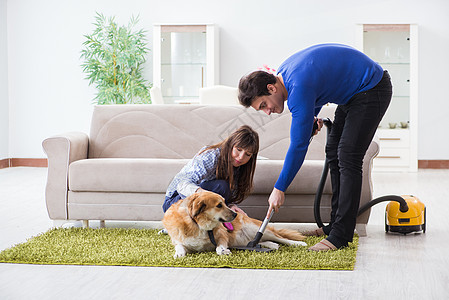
(199, 209)
(196, 205)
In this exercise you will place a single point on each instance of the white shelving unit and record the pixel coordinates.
(395, 48)
(185, 58)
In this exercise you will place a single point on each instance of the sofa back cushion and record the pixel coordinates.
(180, 131)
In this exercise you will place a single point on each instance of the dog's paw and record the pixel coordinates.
(270, 245)
(298, 243)
(162, 231)
(180, 251)
(177, 255)
(221, 250)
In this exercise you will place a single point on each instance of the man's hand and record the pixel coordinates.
(319, 123)
(275, 200)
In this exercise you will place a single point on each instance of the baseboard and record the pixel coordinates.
(433, 164)
(23, 162)
(4, 163)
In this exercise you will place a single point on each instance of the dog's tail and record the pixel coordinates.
(288, 234)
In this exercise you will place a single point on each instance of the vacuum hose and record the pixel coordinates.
(403, 207)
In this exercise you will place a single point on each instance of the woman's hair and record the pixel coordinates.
(240, 182)
(254, 85)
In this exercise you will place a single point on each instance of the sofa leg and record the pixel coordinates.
(361, 229)
(102, 224)
(67, 224)
(59, 223)
(85, 223)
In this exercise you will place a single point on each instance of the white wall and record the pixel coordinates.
(48, 95)
(4, 108)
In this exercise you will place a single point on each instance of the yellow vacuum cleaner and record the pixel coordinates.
(414, 219)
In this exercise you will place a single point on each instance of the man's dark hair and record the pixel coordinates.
(254, 85)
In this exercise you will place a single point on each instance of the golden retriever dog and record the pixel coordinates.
(188, 222)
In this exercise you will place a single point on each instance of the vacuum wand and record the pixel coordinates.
(259, 233)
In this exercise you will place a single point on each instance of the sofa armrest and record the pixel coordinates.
(61, 151)
(367, 184)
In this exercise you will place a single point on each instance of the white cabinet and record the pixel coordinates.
(185, 58)
(394, 149)
(395, 48)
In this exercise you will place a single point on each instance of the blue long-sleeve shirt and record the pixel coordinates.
(313, 77)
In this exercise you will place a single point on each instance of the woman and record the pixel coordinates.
(226, 168)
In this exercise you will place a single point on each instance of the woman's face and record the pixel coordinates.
(240, 156)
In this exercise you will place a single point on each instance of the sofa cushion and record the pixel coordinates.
(149, 175)
(154, 175)
(305, 182)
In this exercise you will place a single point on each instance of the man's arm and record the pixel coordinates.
(302, 107)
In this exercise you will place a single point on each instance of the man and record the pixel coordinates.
(309, 79)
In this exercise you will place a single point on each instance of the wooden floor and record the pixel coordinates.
(388, 266)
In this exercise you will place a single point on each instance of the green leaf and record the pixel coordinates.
(113, 61)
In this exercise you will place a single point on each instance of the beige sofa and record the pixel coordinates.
(122, 169)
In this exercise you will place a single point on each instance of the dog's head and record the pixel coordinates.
(208, 209)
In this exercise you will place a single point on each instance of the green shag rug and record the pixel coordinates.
(144, 247)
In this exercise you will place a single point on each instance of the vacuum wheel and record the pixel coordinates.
(424, 225)
(386, 226)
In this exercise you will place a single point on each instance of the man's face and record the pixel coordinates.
(273, 103)
(269, 104)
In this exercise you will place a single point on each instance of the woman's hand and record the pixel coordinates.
(275, 200)
(237, 209)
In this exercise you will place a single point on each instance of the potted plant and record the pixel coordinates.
(113, 61)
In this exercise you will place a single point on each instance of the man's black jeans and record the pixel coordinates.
(355, 124)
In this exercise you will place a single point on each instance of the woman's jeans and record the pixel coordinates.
(353, 129)
(220, 187)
